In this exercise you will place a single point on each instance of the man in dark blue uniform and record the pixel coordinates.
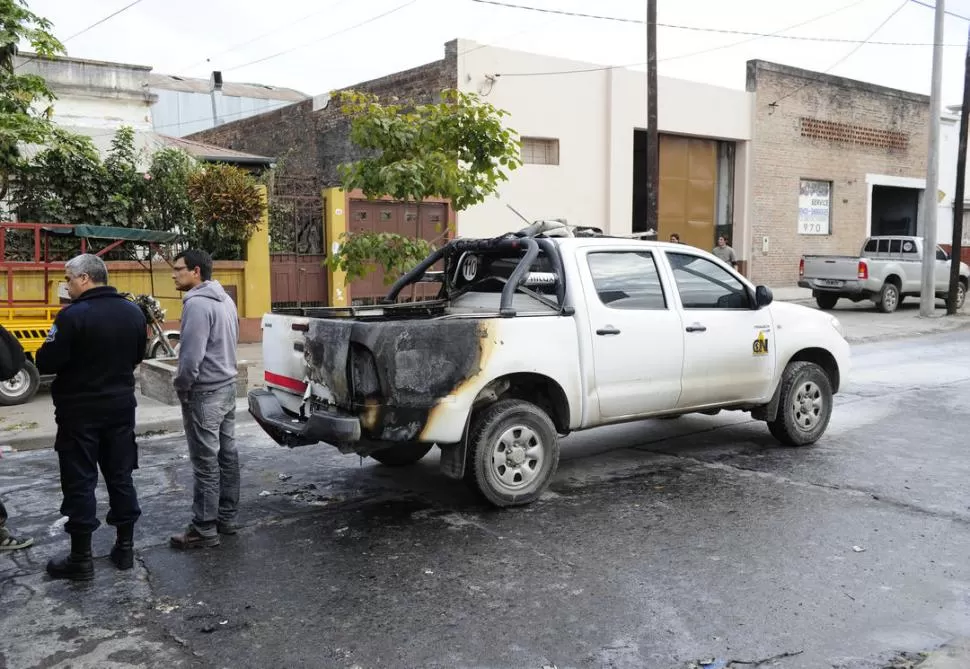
(93, 347)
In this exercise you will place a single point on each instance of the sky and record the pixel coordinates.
(319, 45)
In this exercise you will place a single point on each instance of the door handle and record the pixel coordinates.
(696, 327)
(608, 330)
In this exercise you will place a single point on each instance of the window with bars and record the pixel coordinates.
(540, 151)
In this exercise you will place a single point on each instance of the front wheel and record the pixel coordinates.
(961, 294)
(514, 452)
(805, 405)
(21, 388)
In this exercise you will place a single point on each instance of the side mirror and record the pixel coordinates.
(763, 296)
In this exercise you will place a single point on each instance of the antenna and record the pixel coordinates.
(518, 214)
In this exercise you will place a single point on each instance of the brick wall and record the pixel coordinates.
(831, 129)
(314, 143)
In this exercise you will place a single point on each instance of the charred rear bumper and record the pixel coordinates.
(288, 430)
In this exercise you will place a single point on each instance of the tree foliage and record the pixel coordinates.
(228, 205)
(457, 149)
(25, 99)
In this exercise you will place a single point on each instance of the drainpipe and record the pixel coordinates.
(215, 92)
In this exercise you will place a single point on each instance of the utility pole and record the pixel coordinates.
(951, 302)
(927, 304)
(653, 136)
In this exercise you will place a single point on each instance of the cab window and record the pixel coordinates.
(703, 284)
(627, 280)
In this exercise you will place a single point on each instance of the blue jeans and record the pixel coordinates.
(209, 418)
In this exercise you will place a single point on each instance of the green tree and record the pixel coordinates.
(25, 99)
(457, 148)
(227, 206)
(167, 204)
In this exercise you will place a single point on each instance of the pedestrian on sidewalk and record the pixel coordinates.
(725, 252)
(206, 386)
(11, 362)
(93, 347)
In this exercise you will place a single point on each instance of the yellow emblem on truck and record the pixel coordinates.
(760, 345)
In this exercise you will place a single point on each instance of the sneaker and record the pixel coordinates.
(227, 527)
(193, 539)
(9, 542)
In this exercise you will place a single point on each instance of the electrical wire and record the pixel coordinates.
(107, 18)
(846, 56)
(235, 47)
(325, 37)
(773, 34)
(933, 7)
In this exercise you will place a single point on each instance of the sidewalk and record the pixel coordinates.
(31, 426)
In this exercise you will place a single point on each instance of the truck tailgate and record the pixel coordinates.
(834, 268)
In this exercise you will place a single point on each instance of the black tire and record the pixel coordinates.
(826, 301)
(888, 298)
(805, 405)
(526, 436)
(21, 388)
(401, 455)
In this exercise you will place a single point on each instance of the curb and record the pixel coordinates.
(156, 427)
(953, 655)
(895, 336)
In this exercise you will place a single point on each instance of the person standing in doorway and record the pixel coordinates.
(674, 238)
(206, 386)
(93, 347)
(725, 252)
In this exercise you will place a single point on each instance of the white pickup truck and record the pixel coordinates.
(888, 270)
(533, 336)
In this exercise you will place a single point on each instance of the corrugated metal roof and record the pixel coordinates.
(204, 151)
(172, 82)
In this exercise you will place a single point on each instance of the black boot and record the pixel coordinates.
(123, 552)
(78, 566)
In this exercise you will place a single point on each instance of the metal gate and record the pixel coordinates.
(297, 254)
(426, 220)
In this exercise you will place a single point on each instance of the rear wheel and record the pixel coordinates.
(21, 388)
(401, 455)
(961, 293)
(826, 300)
(888, 298)
(513, 451)
(805, 405)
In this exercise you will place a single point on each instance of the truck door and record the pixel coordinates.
(729, 352)
(636, 333)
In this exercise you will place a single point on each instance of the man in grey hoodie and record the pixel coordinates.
(206, 386)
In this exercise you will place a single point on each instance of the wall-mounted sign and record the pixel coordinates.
(815, 207)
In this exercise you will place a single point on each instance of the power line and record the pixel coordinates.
(933, 7)
(98, 23)
(846, 56)
(235, 47)
(724, 31)
(325, 37)
(774, 34)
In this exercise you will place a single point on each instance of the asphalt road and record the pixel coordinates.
(659, 544)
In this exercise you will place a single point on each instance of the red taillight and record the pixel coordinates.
(863, 270)
(801, 267)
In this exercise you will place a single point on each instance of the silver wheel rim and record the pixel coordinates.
(890, 299)
(517, 458)
(16, 386)
(807, 406)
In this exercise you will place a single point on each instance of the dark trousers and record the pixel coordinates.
(3, 515)
(84, 445)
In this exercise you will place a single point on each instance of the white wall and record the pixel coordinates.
(949, 148)
(593, 115)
